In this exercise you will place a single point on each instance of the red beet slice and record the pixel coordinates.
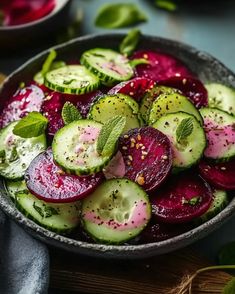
(51, 109)
(220, 175)
(161, 66)
(136, 88)
(48, 182)
(54, 102)
(25, 100)
(147, 156)
(182, 199)
(156, 232)
(190, 87)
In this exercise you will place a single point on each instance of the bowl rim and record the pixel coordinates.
(96, 248)
(54, 12)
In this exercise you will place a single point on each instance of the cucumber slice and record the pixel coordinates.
(14, 187)
(220, 133)
(187, 150)
(61, 218)
(170, 103)
(74, 148)
(108, 106)
(71, 79)
(108, 65)
(150, 96)
(221, 97)
(117, 211)
(16, 153)
(219, 202)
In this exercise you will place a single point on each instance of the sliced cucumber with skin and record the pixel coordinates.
(171, 103)
(220, 133)
(109, 106)
(74, 148)
(71, 79)
(118, 210)
(220, 201)
(150, 96)
(186, 151)
(16, 153)
(108, 65)
(221, 97)
(14, 187)
(61, 218)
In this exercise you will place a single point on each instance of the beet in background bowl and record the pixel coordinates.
(204, 65)
(16, 36)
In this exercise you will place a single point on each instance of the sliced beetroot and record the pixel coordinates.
(161, 66)
(147, 156)
(83, 102)
(190, 87)
(182, 199)
(48, 182)
(54, 102)
(136, 88)
(51, 109)
(220, 175)
(156, 232)
(25, 100)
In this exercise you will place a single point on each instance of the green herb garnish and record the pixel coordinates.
(229, 287)
(109, 135)
(193, 201)
(119, 15)
(38, 209)
(32, 125)
(70, 113)
(166, 4)
(130, 42)
(49, 211)
(184, 129)
(135, 62)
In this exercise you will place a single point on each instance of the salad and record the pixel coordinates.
(17, 12)
(118, 148)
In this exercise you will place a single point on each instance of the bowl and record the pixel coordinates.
(18, 35)
(208, 69)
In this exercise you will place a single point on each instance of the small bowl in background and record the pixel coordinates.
(12, 37)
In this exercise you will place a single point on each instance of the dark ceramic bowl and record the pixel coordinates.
(207, 68)
(24, 34)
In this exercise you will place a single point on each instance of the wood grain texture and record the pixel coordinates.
(161, 274)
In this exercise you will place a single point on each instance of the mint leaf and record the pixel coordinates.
(120, 15)
(130, 42)
(166, 4)
(184, 129)
(32, 125)
(229, 287)
(109, 135)
(70, 113)
(135, 62)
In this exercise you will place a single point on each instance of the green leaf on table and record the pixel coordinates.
(227, 254)
(229, 287)
(184, 129)
(70, 113)
(130, 42)
(119, 15)
(169, 5)
(32, 125)
(109, 135)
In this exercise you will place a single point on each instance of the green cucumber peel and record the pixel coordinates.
(70, 113)
(119, 15)
(130, 42)
(184, 129)
(32, 125)
(109, 135)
